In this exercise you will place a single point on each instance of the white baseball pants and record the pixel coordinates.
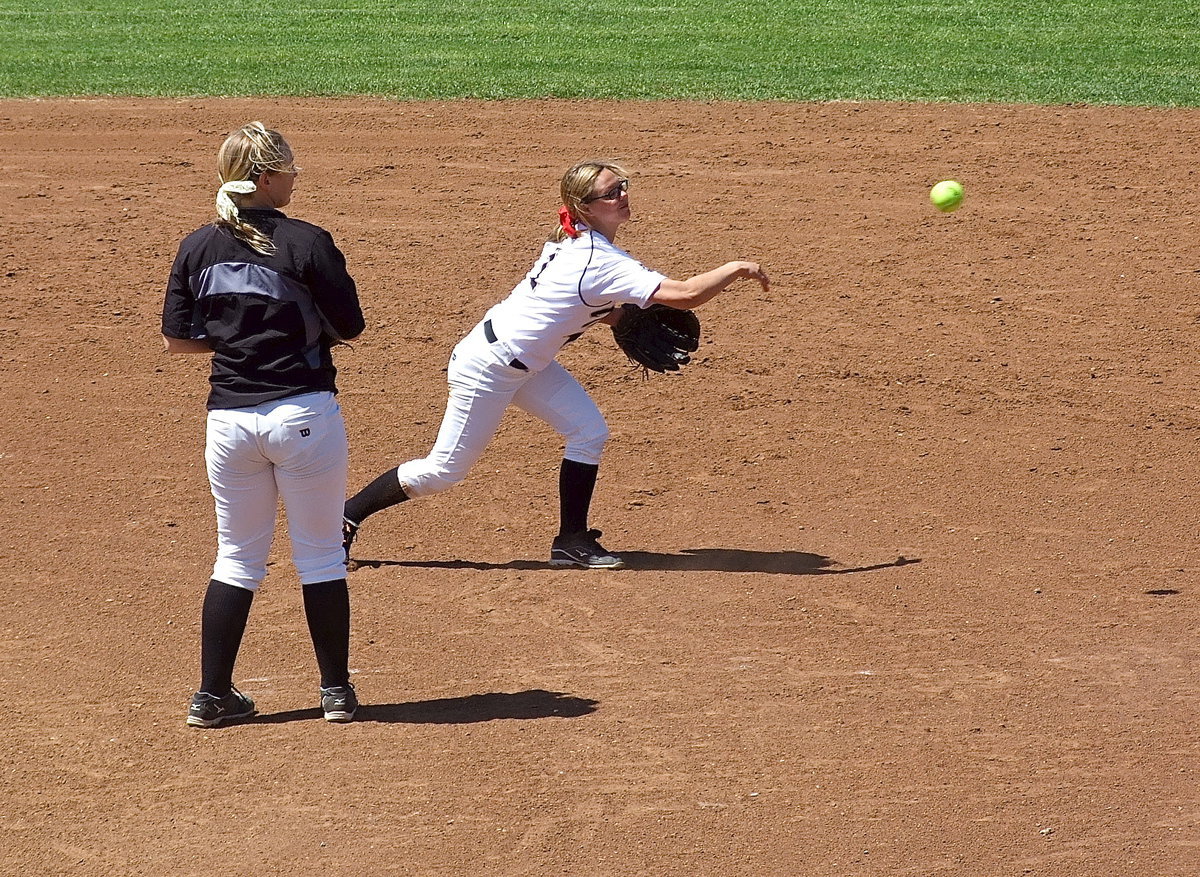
(483, 384)
(295, 448)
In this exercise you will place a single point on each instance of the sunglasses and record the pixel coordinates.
(612, 194)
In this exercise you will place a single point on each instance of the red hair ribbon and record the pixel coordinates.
(567, 223)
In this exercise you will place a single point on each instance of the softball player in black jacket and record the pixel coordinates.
(267, 296)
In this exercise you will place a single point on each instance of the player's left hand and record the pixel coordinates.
(658, 337)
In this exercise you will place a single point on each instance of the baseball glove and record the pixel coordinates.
(657, 337)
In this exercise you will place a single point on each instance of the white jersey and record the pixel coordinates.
(573, 284)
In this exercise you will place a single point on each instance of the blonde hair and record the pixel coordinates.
(577, 183)
(245, 155)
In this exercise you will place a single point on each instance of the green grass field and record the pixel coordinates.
(1139, 52)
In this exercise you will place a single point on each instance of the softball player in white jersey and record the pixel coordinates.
(580, 278)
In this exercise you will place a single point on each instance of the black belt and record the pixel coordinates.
(490, 335)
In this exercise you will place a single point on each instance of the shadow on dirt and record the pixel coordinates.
(532, 704)
(796, 563)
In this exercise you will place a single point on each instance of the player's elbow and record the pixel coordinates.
(676, 294)
(349, 329)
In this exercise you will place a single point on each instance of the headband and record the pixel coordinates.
(226, 209)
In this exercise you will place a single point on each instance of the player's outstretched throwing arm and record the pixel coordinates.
(697, 290)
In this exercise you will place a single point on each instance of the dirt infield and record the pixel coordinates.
(913, 542)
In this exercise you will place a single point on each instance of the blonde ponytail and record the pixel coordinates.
(244, 156)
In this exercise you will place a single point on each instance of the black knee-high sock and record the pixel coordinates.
(222, 624)
(383, 492)
(327, 608)
(576, 481)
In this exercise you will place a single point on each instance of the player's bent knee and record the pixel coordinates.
(428, 481)
(587, 446)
